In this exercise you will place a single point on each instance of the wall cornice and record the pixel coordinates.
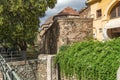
(92, 1)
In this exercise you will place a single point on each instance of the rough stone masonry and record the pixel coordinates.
(65, 31)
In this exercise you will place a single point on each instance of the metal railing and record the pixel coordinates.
(11, 56)
(7, 72)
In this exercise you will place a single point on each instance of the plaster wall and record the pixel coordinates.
(99, 23)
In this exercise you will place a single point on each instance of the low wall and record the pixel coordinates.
(42, 68)
(25, 70)
(46, 68)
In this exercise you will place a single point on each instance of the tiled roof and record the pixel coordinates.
(48, 21)
(68, 11)
(46, 25)
(83, 9)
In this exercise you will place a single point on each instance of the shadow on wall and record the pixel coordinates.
(48, 44)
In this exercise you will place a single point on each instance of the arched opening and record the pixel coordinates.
(115, 12)
(109, 8)
(113, 26)
(113, 33)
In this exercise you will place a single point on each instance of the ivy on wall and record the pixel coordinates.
(90, 60)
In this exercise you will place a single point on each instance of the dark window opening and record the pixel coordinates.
(113, 33)
(119, 11)
(99, 13)
(115, 12)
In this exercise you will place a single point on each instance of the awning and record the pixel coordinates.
(114, 23)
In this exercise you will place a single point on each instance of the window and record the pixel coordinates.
(113, 33)
(99, 13)
(115, 12)
(119, 11)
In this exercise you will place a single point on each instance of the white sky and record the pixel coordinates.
(61, 4)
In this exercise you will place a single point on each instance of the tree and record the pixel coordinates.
(19, 21)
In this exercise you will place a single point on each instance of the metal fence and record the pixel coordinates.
(10, 56)
(7, 71)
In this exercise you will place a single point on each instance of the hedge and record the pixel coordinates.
(90, 60)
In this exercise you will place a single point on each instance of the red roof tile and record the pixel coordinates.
(68, 11)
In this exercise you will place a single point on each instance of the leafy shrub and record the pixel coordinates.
(90, 60)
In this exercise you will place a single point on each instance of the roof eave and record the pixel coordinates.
(92, 1)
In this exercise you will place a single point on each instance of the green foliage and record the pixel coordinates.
(19, 20)
(90, 60)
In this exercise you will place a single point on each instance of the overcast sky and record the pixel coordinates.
(61, 4)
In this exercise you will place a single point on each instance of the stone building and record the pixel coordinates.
(64, 28)
(106, 18)
(85, 12)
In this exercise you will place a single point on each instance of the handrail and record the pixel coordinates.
(7, 71)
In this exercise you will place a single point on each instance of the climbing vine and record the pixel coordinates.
(90, 60)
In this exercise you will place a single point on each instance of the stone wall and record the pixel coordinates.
(25, 70)
(65, 31)
(46, 68)
(42, 68)
(48, 43)
(74, 30)
(85, 13)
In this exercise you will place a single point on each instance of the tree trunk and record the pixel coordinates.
(23, 48)
(22, 45)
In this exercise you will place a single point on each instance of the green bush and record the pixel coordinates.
(90, 60)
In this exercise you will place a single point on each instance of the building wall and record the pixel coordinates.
(99, 23)
(85, 13)
(65, 31)
(48, 43)
(25, 70)
(74, 30)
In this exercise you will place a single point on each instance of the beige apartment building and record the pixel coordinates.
(106, 18)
